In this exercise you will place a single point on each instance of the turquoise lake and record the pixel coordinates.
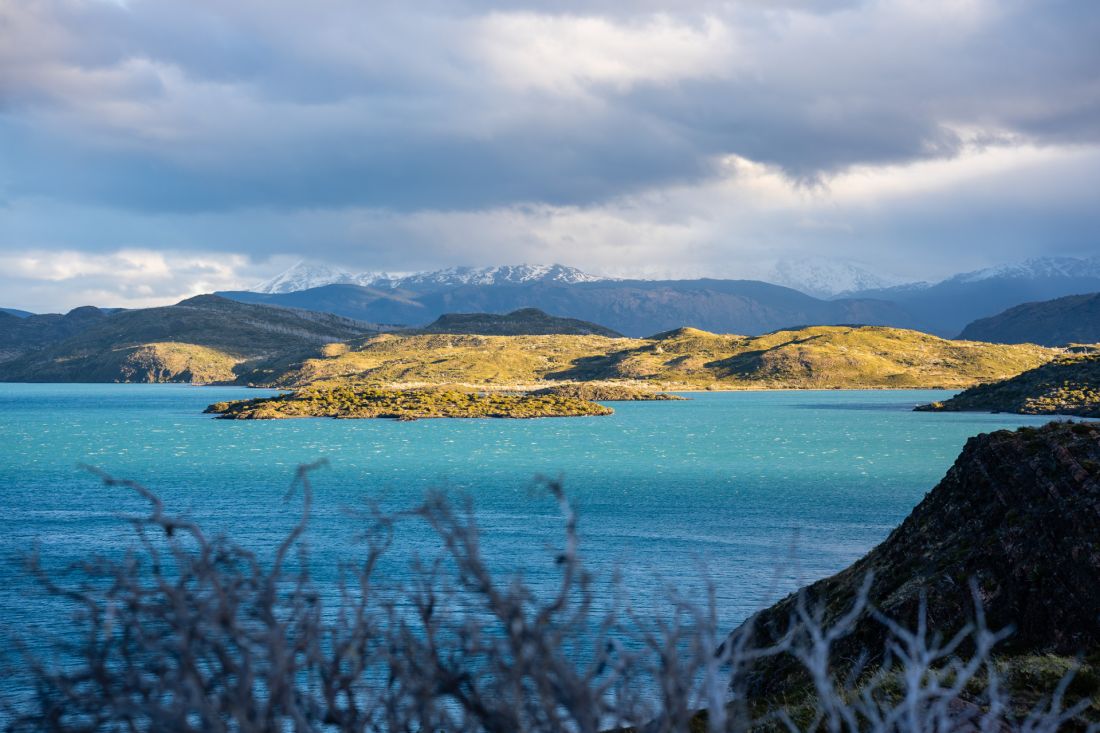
(755, 491)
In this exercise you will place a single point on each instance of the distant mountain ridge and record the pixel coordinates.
(808, 294)
(1074, 319)
(947, 307)
(631, 307)
(305, 275)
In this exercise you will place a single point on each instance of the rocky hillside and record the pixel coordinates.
(820, 357)
(1019, 512)
(522, 322)
(203, 339)
(1071, 320)
(1067, 386)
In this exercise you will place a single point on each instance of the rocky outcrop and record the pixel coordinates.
(1019, 513)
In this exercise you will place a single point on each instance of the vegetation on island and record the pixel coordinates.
(978, 613)
(605, 392)
(1069, 385)
(406, 404)
(818, 357)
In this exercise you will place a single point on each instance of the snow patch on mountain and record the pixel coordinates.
(825, 278)
(305, 275)
(500, 275)
(1036, 269)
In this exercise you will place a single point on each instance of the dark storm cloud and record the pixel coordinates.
(204, 106)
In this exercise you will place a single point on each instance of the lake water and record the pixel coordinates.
(727, 486)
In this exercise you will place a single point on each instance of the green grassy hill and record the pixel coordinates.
(820, 357)
(204, 339)
(1068, 386)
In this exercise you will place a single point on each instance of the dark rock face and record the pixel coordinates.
(1019, 512)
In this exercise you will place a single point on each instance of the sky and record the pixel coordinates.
(151, 150)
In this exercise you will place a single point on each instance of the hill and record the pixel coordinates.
(1074, 319)
(632, 307)
(1067, 386)
(1019, 513)
(203, 339)
(819, 357)
(21, 334)
(523, 322)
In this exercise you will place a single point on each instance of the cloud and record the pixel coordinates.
(656, 137)
(56, 281)
(203, 105)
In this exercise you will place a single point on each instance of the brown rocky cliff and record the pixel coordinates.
(1019, 512)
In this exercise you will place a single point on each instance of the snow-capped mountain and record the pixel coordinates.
(500, 275)
(1035, 269)
(825, 278)
(306, 275)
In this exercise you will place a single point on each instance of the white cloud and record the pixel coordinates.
(569, 54)
(53, 281)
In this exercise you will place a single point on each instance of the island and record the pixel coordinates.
(1069, 385)
(406, 404)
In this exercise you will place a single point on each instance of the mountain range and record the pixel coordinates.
(826, 293)
(631, 307)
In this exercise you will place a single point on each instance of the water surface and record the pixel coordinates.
(728, 485)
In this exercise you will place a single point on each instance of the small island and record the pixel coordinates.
(406, 404)
(1067, 386)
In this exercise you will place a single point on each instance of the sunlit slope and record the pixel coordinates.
(815, 357)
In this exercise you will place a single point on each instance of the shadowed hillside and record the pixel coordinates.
(523, 322)
(202, 339)
(1071, 320)
(21, 334)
